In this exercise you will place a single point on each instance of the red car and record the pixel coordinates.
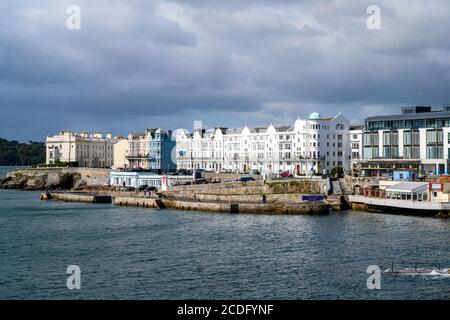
(286, 174)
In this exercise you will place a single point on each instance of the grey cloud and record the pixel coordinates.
(137, 64)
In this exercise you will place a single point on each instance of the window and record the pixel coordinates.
(434, 144)
(411, 148)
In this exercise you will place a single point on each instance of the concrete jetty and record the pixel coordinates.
(76, 197)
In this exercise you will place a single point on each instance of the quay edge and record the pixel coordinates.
(223, 207)
(76, 197)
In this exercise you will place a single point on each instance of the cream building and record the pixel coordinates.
(87, 150)
(311, 146)
(121, 149)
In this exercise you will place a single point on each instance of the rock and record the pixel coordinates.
(14, 183)
(36, 183)
(46, 196)
(67, 180)
(80, 184)
(52, 181)
(4, 181)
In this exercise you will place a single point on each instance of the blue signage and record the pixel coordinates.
(313, 197)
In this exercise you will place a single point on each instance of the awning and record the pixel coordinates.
(408, 187)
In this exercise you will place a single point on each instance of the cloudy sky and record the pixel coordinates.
(141, 63)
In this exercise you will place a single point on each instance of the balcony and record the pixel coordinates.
(138, 156)
(304, 159)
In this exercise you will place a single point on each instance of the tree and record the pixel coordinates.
(339, 171)
(15, 153)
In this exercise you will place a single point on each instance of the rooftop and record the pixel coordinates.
(418, 112)
(408, 187)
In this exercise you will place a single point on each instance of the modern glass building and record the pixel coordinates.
(417, 139)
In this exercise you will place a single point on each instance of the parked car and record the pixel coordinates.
(143, 187)
(286, 174)
(152, 188)
(255, 172)
(245, 179)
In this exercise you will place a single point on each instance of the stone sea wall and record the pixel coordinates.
(222, 207)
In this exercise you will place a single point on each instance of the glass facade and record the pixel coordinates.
(435, 123)
(371, 145)
(411, 144)
(390, 144)
(435, 149)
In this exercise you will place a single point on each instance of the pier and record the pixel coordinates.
(76, 197)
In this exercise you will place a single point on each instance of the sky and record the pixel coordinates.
(137, 64)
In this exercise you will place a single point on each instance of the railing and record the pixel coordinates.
(138, 156)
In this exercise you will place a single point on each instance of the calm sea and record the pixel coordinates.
(135, 253)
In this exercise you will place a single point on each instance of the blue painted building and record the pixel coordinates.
(152, 150)
(404, 175)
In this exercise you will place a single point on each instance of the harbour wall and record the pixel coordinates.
(224, 207)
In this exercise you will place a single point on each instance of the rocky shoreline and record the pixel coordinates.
(54, 178)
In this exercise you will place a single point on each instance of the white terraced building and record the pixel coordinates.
(314, 145)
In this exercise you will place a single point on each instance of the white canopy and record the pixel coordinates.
(408, 187)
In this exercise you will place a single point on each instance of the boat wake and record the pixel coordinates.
(419, 272)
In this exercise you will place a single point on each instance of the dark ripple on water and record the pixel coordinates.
(136, 253)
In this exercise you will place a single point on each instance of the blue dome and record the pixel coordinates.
(314, 116)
